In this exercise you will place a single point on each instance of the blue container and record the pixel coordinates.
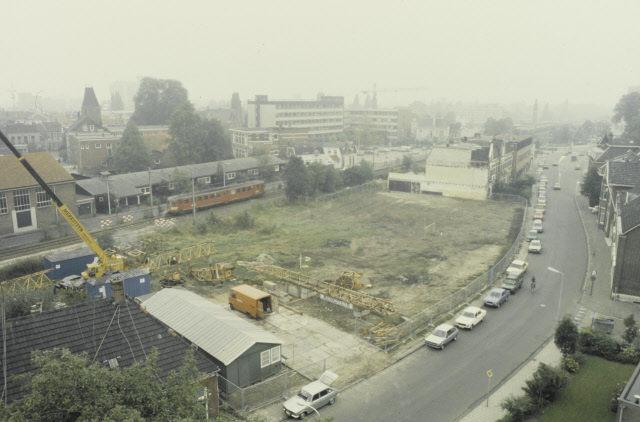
(136, 283)
(68, 263)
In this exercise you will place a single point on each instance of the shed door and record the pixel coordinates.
(244, 376)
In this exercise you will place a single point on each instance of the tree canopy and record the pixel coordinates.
(68, 387)
(131, 155)
(566, 337)
(296, 178)
(156, 100)
(116, 101)
(493, 127)
(194, 140)
(628, 110)
(591, 186)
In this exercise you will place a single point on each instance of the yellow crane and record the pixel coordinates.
(104, 262)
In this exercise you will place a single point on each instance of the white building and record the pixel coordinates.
(322, 118)
(383, 122)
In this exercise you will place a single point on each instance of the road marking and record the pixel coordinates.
(542, 305)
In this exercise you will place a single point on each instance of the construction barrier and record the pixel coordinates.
(106, 223)
(165, 223)
(127, 218)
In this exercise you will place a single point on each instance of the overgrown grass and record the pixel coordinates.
(586, 397)
(21, 267)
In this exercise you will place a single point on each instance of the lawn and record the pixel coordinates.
(586, 397)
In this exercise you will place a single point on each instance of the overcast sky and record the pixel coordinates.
(506, 51)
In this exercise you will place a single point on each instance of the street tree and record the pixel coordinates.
(132, 155)
(631, 329)
(296, 178)
(566, 337)
(156, 100)
(628, 111)
(591, 186)
(69, 387)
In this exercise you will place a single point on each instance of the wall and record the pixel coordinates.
(626, 272)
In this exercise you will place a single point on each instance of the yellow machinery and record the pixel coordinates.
(349, 280)
(218, 272)
(104, 262)
(172, 280)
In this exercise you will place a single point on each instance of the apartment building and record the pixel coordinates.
(384, 123)
(274, 140)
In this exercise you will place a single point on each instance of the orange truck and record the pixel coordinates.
(251, 301)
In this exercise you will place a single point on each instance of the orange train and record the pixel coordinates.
(182, 203)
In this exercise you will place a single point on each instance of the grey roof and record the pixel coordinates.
(630, 215)
(120, 187)
(90, 99)
(125, 275)
(217, 331)
(63, 256)
(84, 120)
(625, 173)
(614, 151)
(90, 327)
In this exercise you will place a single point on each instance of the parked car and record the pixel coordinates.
(470, 317)
(545, 166)
(512, 282)
(555, 164)
(441, 336)
(537, 225)
(496, 297)
(532, 235)
(577, 167)
(556, 186)
(538, 215)
(518, 267)
(542, 201)
(312, 396)
(535, 246)
(543, 179)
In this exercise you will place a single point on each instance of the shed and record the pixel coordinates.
(136, 283)
(244, 352)
(68, 263)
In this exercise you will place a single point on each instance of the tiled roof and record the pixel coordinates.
(13, 175)
(630, 215)
(217, 331)
(111, 330)
(623, 173)
(84, 121)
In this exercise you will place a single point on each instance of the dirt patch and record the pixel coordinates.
(414, 250)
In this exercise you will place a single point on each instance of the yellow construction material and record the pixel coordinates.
(28, 282)
(363, 300)
(167, 259)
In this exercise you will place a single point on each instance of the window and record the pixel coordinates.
(199, 198)
(244, 189)
(156, 161)
(42, 198)
(252, 171)
(275, 355)
(218, 195)
(230, 175)
(276, 168)
(172, 186)
(265, 358)
(205, 197)
(3, 203)
(21, 201)
(98, 146)
(108, 145)
(145, 190)
(91, 128)
(84, 128)
(250, 187)
(186, 200)
(233, 191)
(204, 180)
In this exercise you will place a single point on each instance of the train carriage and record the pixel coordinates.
(203, 199)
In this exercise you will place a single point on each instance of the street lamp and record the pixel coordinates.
(553, 270)
(224, 176)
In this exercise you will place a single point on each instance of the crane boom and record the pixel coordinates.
(96, 269)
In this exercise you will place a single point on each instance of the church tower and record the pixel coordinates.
(90, 106)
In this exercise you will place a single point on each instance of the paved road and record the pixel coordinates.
(443, 385)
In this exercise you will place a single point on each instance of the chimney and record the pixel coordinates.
(117, 290)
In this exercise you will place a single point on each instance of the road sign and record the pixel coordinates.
(594, 273)
(489, 373)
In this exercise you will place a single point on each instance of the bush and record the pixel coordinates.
(631, 329)
(617, 392)
(570, 365)
(544, 385)
(517, 407)
(244, 221)
(105, 239)
(629, 355)
(597, 343)
(21, 267)
(578, 357)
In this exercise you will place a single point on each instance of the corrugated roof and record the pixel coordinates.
(13, 175)
(219, 332)
(69, 255)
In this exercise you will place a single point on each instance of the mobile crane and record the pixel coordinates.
(104, 263)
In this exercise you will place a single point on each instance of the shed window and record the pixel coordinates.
(265, 358)
(3, 204)
(42, 198)
(275, 355)
(21, 201)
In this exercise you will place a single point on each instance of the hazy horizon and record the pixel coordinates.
(497, 51)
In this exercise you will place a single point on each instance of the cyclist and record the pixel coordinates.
(533, 283)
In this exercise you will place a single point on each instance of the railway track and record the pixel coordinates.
(72, 239)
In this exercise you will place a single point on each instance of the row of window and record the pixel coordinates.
(310, 113)
(98, 146)
(20, 138)
(309, 105)
(22, 200)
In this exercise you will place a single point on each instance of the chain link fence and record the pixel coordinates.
(387, 337)
(323, 200)
(283, 385)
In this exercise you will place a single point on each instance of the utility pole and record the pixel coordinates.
(108, 197)
(151, 192)
(193, 198)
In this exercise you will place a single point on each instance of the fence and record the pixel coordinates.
(387, 337)
(245, 399)
(323, 200)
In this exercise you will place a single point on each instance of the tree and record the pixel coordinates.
(181, 181)
(631, 329)
(365, 136)
(493, 127)
(357, 175)
(628, 110)
(544, 385)
(156, 100)
(131, 155)
(566, 337)
(116, 101)
(68, 387)
(216, 142)
(591, 186)
(296, 179)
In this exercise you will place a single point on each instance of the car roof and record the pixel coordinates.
(497, 289)
(471, 309)
(536, 241)
(537, 221)
(518, 261)
(315, 387)
(444, 327)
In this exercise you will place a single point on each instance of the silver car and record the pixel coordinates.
(496, 297)
(312, 397)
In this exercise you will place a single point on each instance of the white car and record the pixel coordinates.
(312, 396)
(518, 267)
(470, 317)
(535, 246)
(537, 225)
(443, 334)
